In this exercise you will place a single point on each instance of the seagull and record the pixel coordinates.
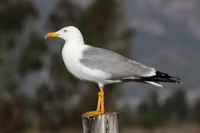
(102, 66)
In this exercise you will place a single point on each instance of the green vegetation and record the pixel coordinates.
(151, 113)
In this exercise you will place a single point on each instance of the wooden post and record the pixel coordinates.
(105, 123)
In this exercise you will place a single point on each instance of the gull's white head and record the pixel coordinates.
(69, 33)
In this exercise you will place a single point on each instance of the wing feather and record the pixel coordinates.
(116, 65)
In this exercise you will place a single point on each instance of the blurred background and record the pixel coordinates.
(38, 95)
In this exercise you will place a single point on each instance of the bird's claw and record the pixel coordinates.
(94, 113)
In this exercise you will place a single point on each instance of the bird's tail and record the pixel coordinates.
(160, 77)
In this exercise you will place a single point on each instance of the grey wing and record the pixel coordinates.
(118, 66)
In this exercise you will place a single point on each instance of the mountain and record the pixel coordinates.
(149, 15)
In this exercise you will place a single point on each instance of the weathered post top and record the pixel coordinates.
(105, 123)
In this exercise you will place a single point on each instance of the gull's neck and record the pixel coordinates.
(72, 48)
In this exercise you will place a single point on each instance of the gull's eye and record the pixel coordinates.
(65, 30)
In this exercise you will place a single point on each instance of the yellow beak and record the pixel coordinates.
(51, 35)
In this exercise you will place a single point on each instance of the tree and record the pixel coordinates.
(12, 103)
(11, 25)
(175, 106)
(196, 112)
(150, 112)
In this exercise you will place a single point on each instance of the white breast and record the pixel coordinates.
(71, 55)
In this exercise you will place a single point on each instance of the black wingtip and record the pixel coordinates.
(163, 77)
(167, 78)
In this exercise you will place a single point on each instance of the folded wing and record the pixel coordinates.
(116, 65)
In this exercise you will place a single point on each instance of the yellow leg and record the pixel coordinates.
(100, 105)
(102, 100)
(99, 102)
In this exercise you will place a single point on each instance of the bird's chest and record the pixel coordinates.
(71, 58)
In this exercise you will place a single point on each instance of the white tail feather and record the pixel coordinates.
(154, 83)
